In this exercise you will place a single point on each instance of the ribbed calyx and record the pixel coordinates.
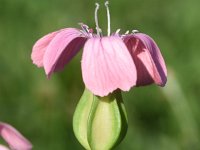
(100, 123)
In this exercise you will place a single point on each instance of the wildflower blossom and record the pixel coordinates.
(15, 140)
(108, 62)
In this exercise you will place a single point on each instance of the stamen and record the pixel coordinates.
(90, 31)
(127, 32)
(85, 30)
(84, 27)
(96, 19)
(108, 16)
(135, 31)
(118, 30)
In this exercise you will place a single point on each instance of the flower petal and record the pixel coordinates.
(15, 140)
(148, 59)
(107, 65)
(39, 48)
(2, 147)
(63, 47)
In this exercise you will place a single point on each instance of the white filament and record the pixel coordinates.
(96, 19)
(108, 16)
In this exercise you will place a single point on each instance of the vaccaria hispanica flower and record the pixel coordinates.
(15, 140)
(108, 62)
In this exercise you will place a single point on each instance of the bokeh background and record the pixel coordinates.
(159, 118)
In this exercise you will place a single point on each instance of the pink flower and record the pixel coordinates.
(108, 62)
(15, 140)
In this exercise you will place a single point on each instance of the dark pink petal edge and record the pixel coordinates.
(148, 59)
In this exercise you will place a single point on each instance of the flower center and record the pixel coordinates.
(99, 31)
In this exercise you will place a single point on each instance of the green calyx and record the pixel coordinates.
(100, 123)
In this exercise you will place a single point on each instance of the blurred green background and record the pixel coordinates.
(159, 118)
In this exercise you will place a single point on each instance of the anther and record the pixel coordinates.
(127, 32)
(85, 30)
(135, 31)
(117, 31)
(84, 27)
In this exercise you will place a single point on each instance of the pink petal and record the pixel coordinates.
(148, 59)
(40, 47)
(3, 147)
(63, 47)
(15, 140)
(107, 65)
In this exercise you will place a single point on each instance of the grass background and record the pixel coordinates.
(159, 118)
